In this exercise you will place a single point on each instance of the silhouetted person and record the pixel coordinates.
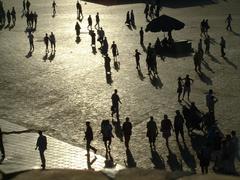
(2, 150)
(128, 20)
(41, 145)
(166, 127)
(178, 125)
(3, 17)
(229, 21)
(46, 41)
(105, 45)
(146, 11)
(187, 86)
(106, 130)
(180, 88)
(93, 38)
(115, 103)
(132, 18)
(79, 10)
(157, 11)
(8, 18)
(89, 22)
(200, 48)
(97, 25)
(211, 106)
(152, 132)
(13, 13)
(141, 33)
(149, 58)
(151, 11)
(30, 38)
(207, 44)
(35, 18)
(202, 27)
(127, 131)
(24, 5)
(204, 158)
(89, 137)
(206, 27)
(137, 57)
(114, 51)
(107, 66)
(101, 35)
(31, 19)
(208, 98)
(197, 58)
(77, 29)
(223, 46)
(235, 142)
(28, 4)
(54, 8)
(52, 41)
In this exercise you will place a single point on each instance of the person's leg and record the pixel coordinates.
(88, 146)
(206, 169)
(202, 169)
(182, 134)
(184, 91)
(43, 160)
(188, 92)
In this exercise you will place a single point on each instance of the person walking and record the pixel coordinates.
(229, 22)
(137, 57)
(2, 150)
(146, 11)
(46, 41)
(89, 137)
(128, 20)
(106, 130)
(127, 131)
(28, 4)
(207, 44)
(8, 18)
(54, 8)
(107, 65)
(77, 29)
(179, 89)
(35, 18)
(89, 22)
(132, 18)
(24, 5)
(166, 127)
(114, 51)
(204, 158)
(13, 14)
(152, 132)
(223, 46)
(187, 86)
(97, 25)
(141, 33)
(41, 145)
(93, 38)
(115, 103)
(79, 10)
(178, 125)
(31, 38)
(52, 41)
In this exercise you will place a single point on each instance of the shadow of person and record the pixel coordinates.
(52, 56)
(116, 65)
(129, 26)
(187, 157)
(109, 78)
(78, 39)
(230, 63)
(206, 65)
(173, 161)
(156, 81)
(235, 33)
(1, 26)
(45, 57)
(109, 162)
(29, 54)
(214, 59)
(130, 163)
(94, 50)
(197, 141)
(7, 26)
(144, 48)
(157, 160)
(11, 27)
(134, 26)
(140, 75)
(204, 78)
(118, 129)
(90, 162)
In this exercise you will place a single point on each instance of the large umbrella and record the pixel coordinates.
(164, 23)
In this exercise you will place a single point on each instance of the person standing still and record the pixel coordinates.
(229, 21)
(223, 46)
(141, 32)
(127, 131)
(89, 137)
(41, 145)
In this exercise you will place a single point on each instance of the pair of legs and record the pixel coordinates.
(222, 51)
(186, 90)
(88, 146)
(204, 169)
(42, 157)
(115, 110)
(152, 142)
(179, 131)
(31, 47)
(107, 143)
(127, 139)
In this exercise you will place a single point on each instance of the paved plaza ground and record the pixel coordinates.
(60, 95)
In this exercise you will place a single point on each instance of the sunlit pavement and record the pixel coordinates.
(60, 95)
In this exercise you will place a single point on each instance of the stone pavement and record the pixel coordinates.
(21, 154)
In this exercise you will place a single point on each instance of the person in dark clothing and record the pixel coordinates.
(204, 158)
(46, 41)
(8, 18)
(151, 12)
(180, 88)
(141, 33)
(132, 18)
(166, 126)
(106, 130)
(35, 17)
(128, 21)
(127, 131)
(97, 25)
(115, 103)
(13, 13)
(152, 132)
(31, 37)
(229, 21)
(54, 8)
(2, 146)
(137, 57)
(89, 137)
(146, 10)
(77, 29)
(24, 5)
(187, 86)
(52, 41)
(114, 51)
(79, 10)
(93, 37)
(207, 44)
(89, 22)
(41, 145)
(107, 66)
(178, 125)
(28, 4)
(223, 46)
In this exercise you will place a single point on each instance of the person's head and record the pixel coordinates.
(97, 13)
(187, 76)
(228, 137)
(141, 28)
(229, 15)
(179, 78)
(200, 40)
(222, 37)
(192, 103)
(40, 132)
(149, 44)
(165, 116)
(51, 33)
(115, 91)
(177, 112)
(233, 133)
(127, 119)
(0, 130)
(87, 123)
(151, 118)
(46, 34)
(113, 42)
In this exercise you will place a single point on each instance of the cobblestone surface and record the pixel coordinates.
(60, 95)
